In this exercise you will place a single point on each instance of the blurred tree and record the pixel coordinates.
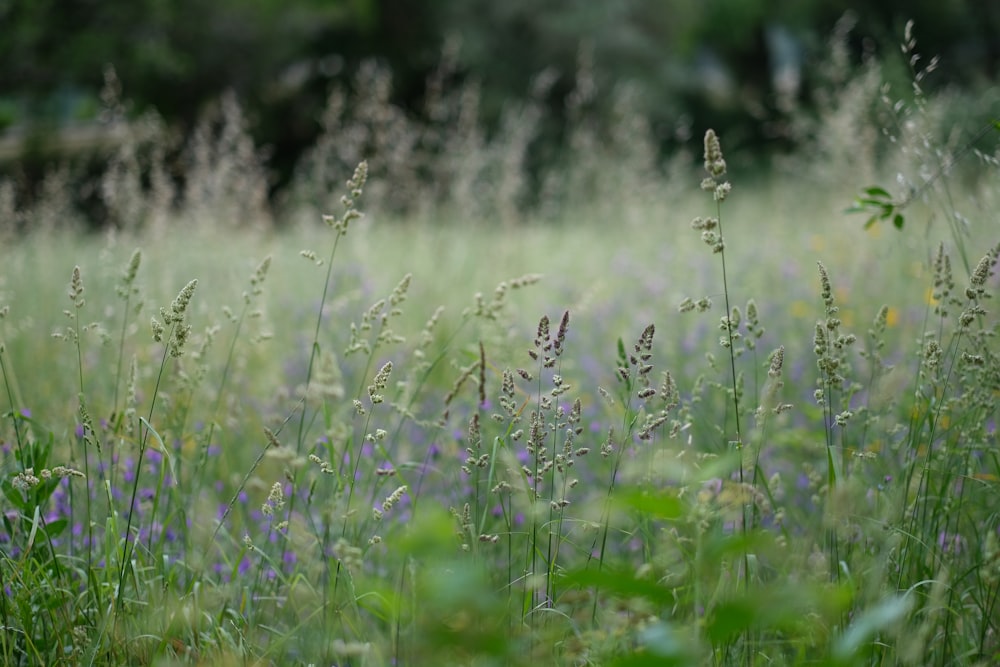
(720, 61)
(728, 63)
(175, 56)
(168, 52)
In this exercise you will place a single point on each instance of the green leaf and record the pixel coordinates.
(162, 450)
(40, 494)
(661, 645)
(35, 523)
(622, 583)
(876, 191)
(898, 221)
(720, 547)
(729, 619)
(13, 495)
(872, 203)
(791, 609)
(878, 203)
(831, 467)
(654, 503)
(866, 625)
(54, 528)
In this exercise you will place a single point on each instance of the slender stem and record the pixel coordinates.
(314, 347)
(14, 417)
(143, 438)
(729, 333)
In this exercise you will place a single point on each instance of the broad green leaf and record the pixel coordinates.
(622, 583)
(866, 625)
(730, 618)
(13, 495)
(661, 645)
(54, 528)
(655, 503)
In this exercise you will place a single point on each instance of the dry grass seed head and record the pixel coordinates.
(76, 288)
(379, 383)
(715, 165)
(126, 286)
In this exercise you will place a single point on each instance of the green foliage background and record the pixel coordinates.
(283, 57)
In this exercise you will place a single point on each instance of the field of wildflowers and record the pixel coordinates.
(600, 435)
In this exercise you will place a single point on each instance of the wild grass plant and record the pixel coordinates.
(368, 443)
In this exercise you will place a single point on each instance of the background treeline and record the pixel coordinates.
(750, 68)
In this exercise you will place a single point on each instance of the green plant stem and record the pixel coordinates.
(736, 396)
(143, 439)
(86, 458)
(314, 347)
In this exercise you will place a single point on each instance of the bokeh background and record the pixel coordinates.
(756, 70)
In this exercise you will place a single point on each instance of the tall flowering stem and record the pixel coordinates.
(712, 235)
(172, 331)
(355, 187)
(715, 167)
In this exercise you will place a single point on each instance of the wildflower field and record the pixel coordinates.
(597, 433)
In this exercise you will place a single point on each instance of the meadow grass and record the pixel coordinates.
(609, 438)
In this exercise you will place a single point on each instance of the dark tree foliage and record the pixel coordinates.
(713, 62)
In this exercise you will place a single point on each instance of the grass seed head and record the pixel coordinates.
(76, 288)
(715, 165)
